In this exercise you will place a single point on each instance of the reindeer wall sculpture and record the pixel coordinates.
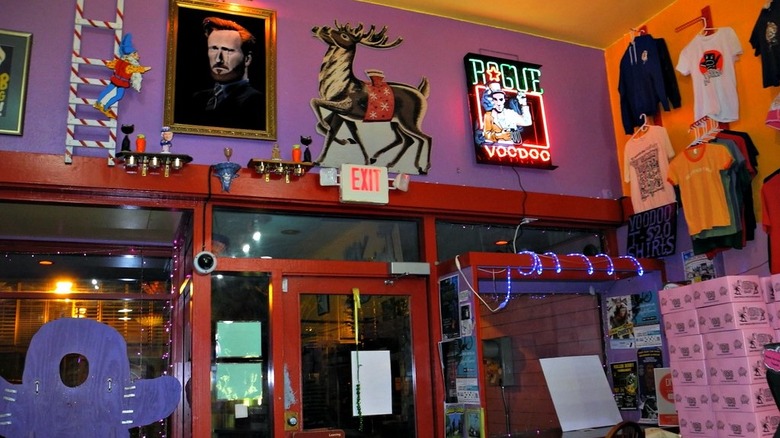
(346, 101)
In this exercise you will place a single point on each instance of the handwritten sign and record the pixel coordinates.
(653, 233)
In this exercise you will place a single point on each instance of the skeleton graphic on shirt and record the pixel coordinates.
(648, 172)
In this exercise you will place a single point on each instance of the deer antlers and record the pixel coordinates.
(370, 37)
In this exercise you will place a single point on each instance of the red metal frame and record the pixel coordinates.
(478, 265)
(44, 178)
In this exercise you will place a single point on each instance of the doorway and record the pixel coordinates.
(357, 355)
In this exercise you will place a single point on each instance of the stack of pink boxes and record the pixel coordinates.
(716, 331)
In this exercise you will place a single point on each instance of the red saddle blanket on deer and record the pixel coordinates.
(381, 103)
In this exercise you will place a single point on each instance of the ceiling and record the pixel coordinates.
(597, 24)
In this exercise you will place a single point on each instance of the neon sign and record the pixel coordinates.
(507, 112)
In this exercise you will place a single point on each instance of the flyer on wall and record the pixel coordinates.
(667, 413)
(459, 365)
(698, 267)
(648, 359)
(450, 308)
(644, 307)
(648, 336)
(620, 322)
(625, 385)
(454, 420)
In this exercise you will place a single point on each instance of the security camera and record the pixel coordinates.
(205, 262)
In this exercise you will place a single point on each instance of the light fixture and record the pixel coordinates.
(149, 162)
(226, 171)
(401, 182)
(557, 261)
(63, 287)
(586, 260)
(277, 167)
(611, 267)
(329, 176)
(600, 263)
(536, 267)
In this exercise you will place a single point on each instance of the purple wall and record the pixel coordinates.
(574, 79)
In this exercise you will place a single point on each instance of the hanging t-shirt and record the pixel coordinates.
(645, 167)
(709, 60)
(697, 172)
(765, 41)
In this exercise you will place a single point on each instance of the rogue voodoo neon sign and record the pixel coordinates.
(507, 112)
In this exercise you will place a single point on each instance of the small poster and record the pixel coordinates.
(454, 420)
(474, 424)
(698, 267)
(625, 385)
(466, 321)
(647, 336)
(667, 413)
(648, 359)
(644, 307)
(6, 73)
(620, 319)
(459, 359)
(450, 308)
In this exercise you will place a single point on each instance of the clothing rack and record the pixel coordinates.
(706, 17)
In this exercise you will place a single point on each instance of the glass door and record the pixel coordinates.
(357, 357)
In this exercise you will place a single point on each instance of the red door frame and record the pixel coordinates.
(337, 277)
(414, 288)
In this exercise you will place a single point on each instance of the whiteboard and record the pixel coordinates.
(580, 392)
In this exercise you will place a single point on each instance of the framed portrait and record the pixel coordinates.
(221, 70)
(14, 65)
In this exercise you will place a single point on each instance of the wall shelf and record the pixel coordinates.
(280, 168)
(153, 162)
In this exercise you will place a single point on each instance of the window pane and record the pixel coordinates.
(454, 238)
(145, 326)
(256, 234)
(328, 330)
(239, 367)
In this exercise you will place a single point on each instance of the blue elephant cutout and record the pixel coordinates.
(106, 404)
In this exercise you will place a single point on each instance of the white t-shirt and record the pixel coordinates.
(709, 60)
(646, 166)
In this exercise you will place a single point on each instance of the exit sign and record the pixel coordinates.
(364, 184)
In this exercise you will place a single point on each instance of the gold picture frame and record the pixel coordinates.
(14, 68)
(189, 72)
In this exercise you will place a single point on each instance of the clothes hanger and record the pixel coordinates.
(642, 129)
(705, 129)
(705, 18)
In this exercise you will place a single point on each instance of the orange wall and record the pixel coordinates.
(753, 98)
